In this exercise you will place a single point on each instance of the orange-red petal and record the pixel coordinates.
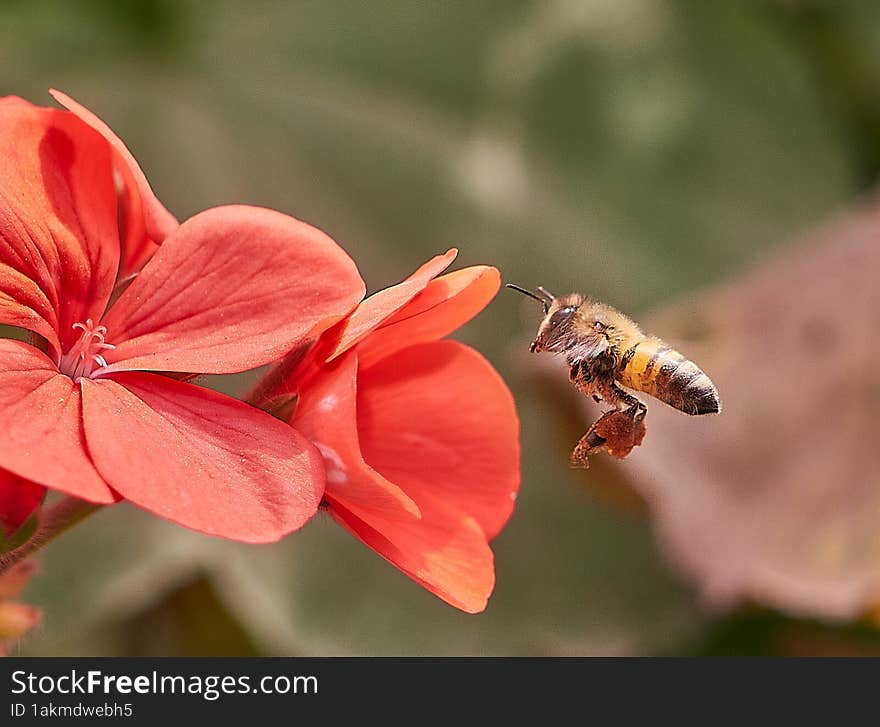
(201, 459)
(59, 246)
(41, 421)
(326, 414)
(231, 289)
(136, 245)
(445, 304)
(19, 498)
(382, 305)
(437, 420)
(446, 552)
(158, 221)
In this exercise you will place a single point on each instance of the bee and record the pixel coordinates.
(607, 351)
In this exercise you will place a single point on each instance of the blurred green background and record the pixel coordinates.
(636, 149)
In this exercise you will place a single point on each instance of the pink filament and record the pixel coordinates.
(85, 356)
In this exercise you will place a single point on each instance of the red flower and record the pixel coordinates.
(420, 435)
(138, 210)
(83, 414)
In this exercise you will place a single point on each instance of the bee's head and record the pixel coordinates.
(556, 333)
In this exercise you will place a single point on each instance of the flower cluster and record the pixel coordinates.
(410, 441)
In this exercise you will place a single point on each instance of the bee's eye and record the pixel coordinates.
(599, 326)
(562, 315)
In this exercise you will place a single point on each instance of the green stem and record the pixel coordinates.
(61, 516)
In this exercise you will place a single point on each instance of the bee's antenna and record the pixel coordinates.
(544, 298)
(546, 294)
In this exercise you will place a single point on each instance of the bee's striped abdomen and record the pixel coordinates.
(662, 372)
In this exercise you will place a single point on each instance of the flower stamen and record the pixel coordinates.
(85, 357)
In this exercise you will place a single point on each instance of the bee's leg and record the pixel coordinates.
(617, 430)
(579, 373)
(635, 408)
(589, 444)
